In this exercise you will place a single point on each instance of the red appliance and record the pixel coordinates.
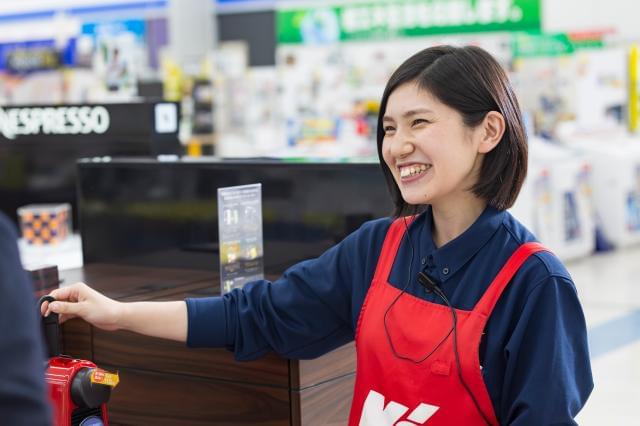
(76, 399)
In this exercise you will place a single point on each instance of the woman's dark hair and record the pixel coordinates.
(469, 80)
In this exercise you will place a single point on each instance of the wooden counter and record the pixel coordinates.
(165, 383)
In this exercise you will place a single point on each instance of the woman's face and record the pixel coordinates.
(432, 155)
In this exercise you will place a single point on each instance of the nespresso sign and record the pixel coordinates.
(62, 120)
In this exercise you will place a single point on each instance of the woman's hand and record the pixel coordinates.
(167, 320)
(80, 300)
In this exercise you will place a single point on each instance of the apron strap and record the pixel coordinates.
(486, 304)
(390, 247)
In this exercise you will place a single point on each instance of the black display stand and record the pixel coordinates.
(165, 214)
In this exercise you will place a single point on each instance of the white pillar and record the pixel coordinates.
(192, 32)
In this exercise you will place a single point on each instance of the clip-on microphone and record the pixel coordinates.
(429, 285)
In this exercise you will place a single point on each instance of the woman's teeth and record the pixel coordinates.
(414, 170)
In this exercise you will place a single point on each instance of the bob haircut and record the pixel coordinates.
(469, 80)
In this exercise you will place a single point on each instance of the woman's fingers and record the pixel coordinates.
(65, 296)
(44, 309)
(80, 300)
(65, 308)
(64, 317)
(69, 293)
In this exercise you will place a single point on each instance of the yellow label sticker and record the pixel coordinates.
(102, 377)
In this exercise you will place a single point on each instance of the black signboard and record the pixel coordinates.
(33, 59)
(90, 122)
(40, 144)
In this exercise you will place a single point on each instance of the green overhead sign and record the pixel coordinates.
(536, 44)
(524, 45)
(405, 18)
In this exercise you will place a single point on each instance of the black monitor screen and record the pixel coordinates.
(165, 214)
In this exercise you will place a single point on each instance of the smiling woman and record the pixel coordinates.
(459, 315)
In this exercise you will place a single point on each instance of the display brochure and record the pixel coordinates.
(240, 235)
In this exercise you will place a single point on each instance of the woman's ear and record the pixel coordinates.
(492, 129)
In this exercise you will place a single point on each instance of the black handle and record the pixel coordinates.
(50, 328)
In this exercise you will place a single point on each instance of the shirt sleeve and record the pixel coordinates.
(548, 372)
(22, 386)
(309, 311)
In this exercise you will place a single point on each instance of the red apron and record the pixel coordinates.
(394, 392)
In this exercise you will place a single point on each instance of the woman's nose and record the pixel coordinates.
(401, 147)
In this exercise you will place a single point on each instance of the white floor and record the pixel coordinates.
(609, 287)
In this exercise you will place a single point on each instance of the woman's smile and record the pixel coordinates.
(410, 173)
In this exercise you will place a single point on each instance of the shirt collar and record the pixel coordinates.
(442, 263)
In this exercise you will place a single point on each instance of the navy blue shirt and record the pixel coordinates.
(22, 386)
(534, 354)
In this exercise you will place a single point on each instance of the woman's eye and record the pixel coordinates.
(389, 129)
(418, 121)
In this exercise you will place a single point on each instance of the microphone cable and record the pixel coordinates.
(438, 291)
(431, 286)
(386, 312)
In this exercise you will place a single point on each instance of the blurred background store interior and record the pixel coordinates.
(300, 81)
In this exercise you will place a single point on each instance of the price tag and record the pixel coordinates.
(102, 377)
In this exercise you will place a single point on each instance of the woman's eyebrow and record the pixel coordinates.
(409, 113)
(416, 111)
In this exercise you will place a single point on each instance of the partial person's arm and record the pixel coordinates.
(548, 375)
(307, 312)
(22, 385)
(167, 320)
